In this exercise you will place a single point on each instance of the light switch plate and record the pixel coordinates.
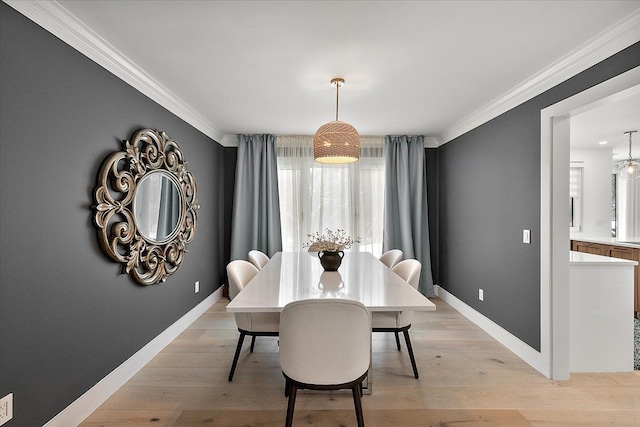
(526, 236)
(197, 287)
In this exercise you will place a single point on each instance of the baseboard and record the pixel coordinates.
(82, 407)
(504, 337)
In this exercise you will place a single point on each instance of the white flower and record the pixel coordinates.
(332, 241)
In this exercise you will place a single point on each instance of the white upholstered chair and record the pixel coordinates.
(317, 351)
(400, 321)
(240, 272)
(314, 247)
(391, 257)
(258, 258)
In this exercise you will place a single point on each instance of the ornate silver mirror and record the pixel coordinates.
(146, 206)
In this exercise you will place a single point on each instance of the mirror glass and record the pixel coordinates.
(157, 206)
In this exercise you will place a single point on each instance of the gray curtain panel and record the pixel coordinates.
(406, 226)
(256, 204)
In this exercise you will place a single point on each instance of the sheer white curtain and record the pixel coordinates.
(315, 196)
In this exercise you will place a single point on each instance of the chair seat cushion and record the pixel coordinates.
(384, 319)
(258, 322)
(391, 319)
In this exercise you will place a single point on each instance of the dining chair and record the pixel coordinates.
(314, 247)
(240, 272)
(391, 257)
(258, 258)
(318, 352)
(400, 321)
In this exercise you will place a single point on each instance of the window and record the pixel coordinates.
(575, 197)
(614, 212)
(315, 196)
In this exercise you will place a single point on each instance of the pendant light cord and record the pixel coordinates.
(337, 96)
(338, 81)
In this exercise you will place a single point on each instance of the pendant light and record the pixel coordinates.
(336, 141)
(629, 169)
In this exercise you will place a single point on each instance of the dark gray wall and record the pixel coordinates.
(433, 205)
(489, 191)
(67, 315)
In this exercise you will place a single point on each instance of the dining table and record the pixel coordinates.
(294, 276)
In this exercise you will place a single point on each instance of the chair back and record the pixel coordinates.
(325, 341)
(314, 247)
(409, 270)
(258, 258)
(391, 257)
(239, 272)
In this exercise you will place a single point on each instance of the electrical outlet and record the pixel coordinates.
(197, 288)
(6, 408)
(480, 294)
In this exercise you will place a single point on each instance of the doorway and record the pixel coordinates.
(555, 215)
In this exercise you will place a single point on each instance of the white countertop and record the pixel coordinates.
(581, 258)
(607, 241)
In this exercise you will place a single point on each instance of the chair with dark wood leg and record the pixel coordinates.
(400, 321)
(318, 351)
(252, 324)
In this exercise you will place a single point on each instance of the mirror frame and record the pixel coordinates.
(148, 262)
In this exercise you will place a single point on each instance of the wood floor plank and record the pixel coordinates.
(138, 418)
(537, 397)
(585, 418)
(196, 397)
(373, 418)
(627, 379)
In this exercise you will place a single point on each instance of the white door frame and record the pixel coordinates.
(554, 214)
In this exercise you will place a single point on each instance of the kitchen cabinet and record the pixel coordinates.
(588, 248)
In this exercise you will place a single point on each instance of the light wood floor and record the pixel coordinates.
(466, 379)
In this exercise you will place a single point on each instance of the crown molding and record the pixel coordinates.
(54, 18)
(611, 41)
(229, 140)
(431, 142)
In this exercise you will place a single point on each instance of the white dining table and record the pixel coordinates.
(293, 276)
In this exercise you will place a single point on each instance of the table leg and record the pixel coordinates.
(367, 384)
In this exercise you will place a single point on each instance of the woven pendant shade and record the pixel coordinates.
(336, 141)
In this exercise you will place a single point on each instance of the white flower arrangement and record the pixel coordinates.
(331, 241)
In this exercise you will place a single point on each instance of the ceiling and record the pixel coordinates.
(608, 123)
(411, 67)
